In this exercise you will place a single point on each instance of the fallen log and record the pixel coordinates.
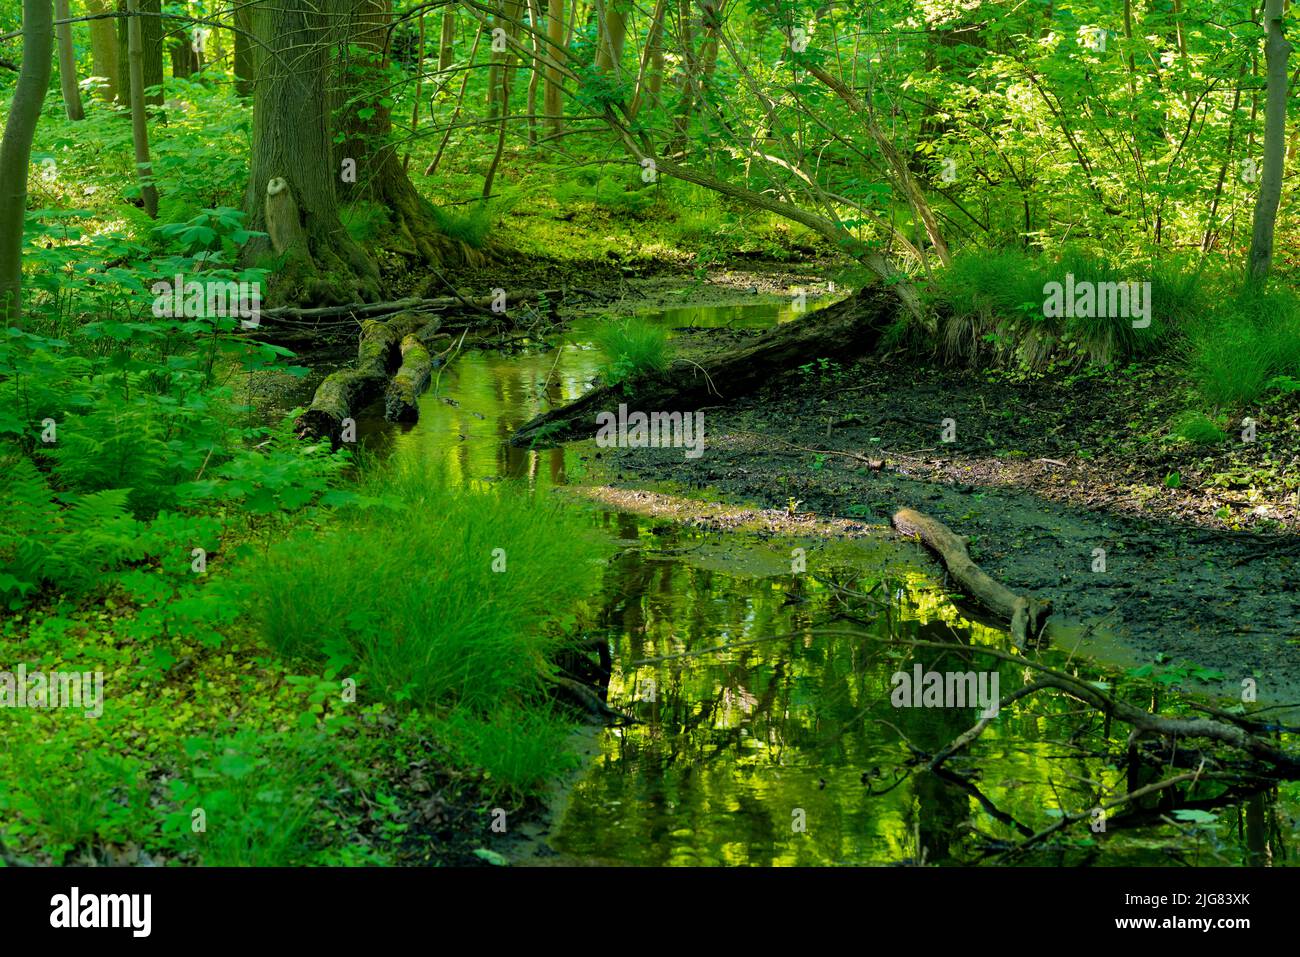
(402, 396)
(1027, 616)
(346, 391)
(849, 327)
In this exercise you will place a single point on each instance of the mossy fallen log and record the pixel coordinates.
(343, 393)
(401, 398)
(850, 327)
(1026, 616)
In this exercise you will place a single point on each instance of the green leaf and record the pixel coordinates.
(492, 857)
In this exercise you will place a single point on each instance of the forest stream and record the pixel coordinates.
(783, 747)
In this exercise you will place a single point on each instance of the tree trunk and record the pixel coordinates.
(552, 99)
(245, 65)
(103, 52)
(446, 42)
(652, 61)
(1276, 52)
(380, 176)
(292, 173)
(537, 69)
(139, 118)
(16, 151)
(151, 34)
(185, 62)
(613, 32)
(68, 64)
(501, 72)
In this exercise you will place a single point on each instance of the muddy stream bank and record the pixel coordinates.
(765, 731)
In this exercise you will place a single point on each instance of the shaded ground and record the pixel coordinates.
(1041, 474)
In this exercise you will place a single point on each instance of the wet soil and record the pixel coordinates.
(1041, 474)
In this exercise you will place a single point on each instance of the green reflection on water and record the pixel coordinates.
(736, 746)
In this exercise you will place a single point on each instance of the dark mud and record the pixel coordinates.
(1177, 585)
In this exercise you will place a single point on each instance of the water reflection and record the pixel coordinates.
(789, 751)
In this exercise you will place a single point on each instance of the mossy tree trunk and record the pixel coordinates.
(103, 52)
(292, 188)
(151, 45)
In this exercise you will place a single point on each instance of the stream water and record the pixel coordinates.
(785, 747)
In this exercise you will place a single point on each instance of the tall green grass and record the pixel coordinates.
(632, 347)
(409, 589)
(991, 304)
(1242, 343)
(1234, 340)
(472, 224)
(450, 600)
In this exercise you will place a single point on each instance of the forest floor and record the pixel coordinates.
(1044, 470)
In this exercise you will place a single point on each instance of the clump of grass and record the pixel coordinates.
(365, 222)
(992, 306)
(1243, 343)
(519, 749)
(441, 596)
(633, 347)
(1197, 428)
(471, 224)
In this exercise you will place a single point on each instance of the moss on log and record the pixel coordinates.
(852, 326)
(345, 392)
(401, 398)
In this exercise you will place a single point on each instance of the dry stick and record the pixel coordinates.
(438, 378)
(801, 448)
(1028, 615)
